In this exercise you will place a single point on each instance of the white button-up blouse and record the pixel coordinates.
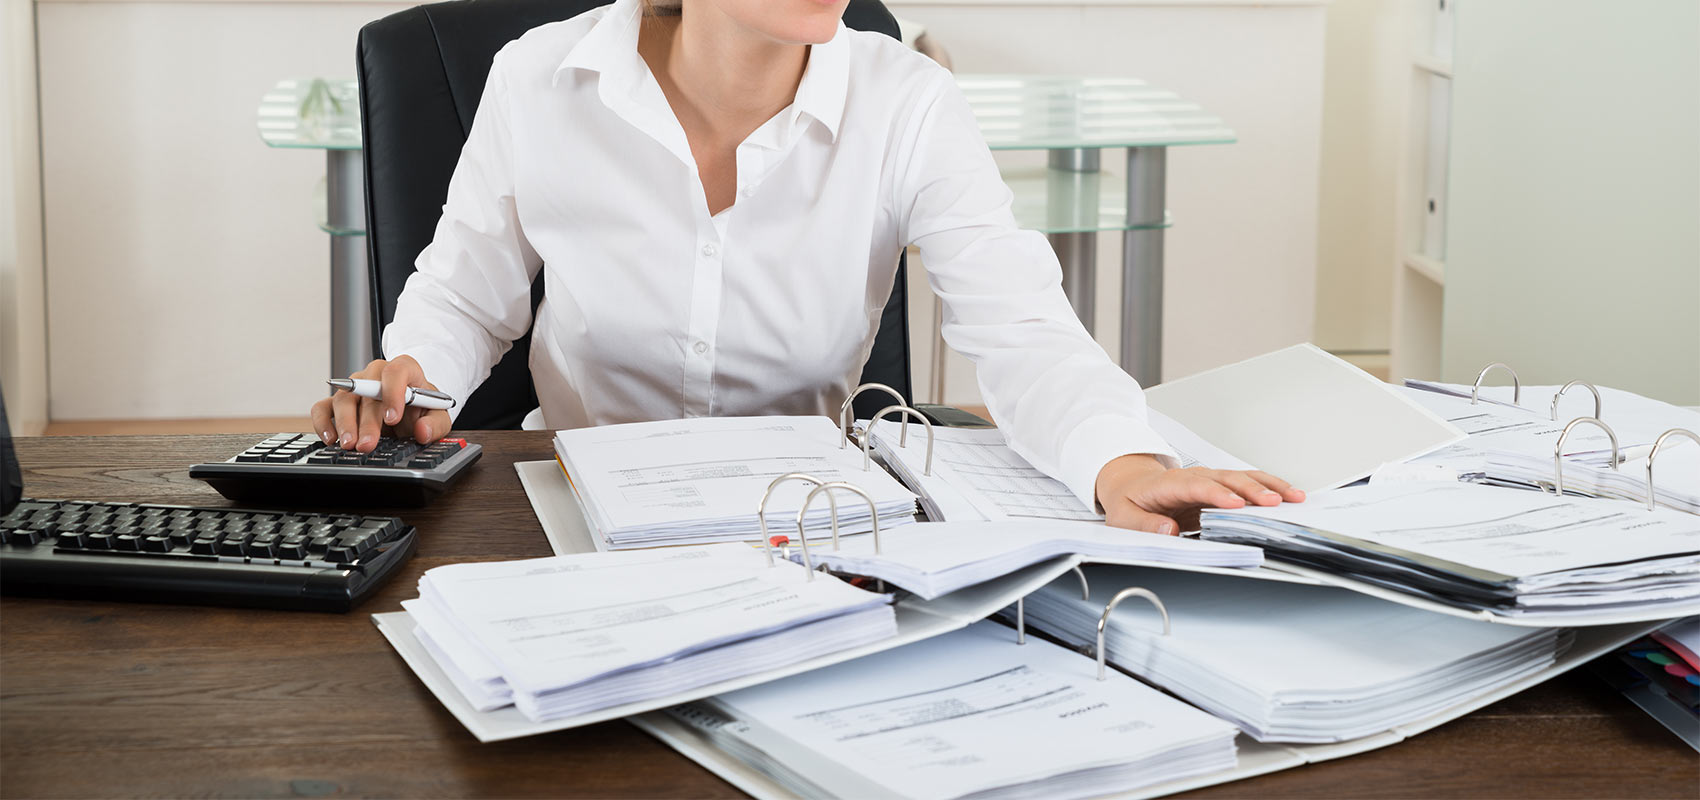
(654, 309)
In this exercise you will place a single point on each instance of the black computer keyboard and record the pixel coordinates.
(294, 469)
(182, 554)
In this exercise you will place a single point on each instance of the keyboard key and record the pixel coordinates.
(232, 548)
(127, 542)
(280, 457)
(291, 552)
(98, 541)
(157, 544)
(23, 538)
(204, 546)
(72, 540)
(257, 550)
(340, 555)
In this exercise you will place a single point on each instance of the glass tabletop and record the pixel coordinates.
(316, 113)
(1038, 112)
(1054, 201)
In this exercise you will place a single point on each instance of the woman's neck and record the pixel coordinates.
(726, 73)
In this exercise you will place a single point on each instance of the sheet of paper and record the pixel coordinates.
(557, 622)
(1304, 416)
(971, 711)
(1000, 484)
(1512, 533)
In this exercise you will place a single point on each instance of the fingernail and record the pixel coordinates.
(1166, 529)
(327, 437)
(389, 416)
(346, 441)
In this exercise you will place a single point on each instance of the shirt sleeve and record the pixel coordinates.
(470, 297)
(1061, 402)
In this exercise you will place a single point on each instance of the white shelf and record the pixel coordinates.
(1431, 268)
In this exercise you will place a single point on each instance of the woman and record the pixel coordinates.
(720, 192)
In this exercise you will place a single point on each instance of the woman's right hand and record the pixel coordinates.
(355, 423)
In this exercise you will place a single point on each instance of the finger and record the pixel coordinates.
(397, 376)
(1288, 492)
(1124, 514)
(1195, 488)
(431, 426)
(370, 428)
(1248, 487)
(345, 413)
(322, 421)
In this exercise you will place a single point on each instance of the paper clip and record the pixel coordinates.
(1021, 606)
(1132, 591)
(844, 412)
(1558, 450)
(1583, 384)
(1516, 385)
(761, 515)
(867, 441)
(1658, 443)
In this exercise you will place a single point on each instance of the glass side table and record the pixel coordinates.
(316, 114)
(1075, 119)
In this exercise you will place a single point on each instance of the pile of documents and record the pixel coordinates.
(700, 480)
(936, 558)
(966, 714)
(1512, 554)
(1289, 662)
(561, 636)
(1512, 445)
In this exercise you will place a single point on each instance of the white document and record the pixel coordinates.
(1304, 416)
(971, 712)
(936, 558)
(1514, 534)
(699, 480)
(555, 623)
(1636, 419)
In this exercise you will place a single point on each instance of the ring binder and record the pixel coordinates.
(844, 413)
(867, 441)
(1104, 620)
(873, 509)
(1658, 443)
(1516, 385)
(1583, 384)
(1021, 606)
(1558, 450)
(761, 515)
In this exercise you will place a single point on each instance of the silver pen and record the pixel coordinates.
(417, 397)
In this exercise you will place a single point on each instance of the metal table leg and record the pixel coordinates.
(1142, 265)
(1072, 202)
(345, 206)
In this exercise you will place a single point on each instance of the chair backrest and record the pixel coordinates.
(422, 72)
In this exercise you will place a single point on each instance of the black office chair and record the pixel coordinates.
(422, 72)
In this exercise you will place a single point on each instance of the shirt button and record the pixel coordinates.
(746, 191)
(701, 347)
(709, 250)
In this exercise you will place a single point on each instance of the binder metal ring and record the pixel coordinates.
(1583, 384)
(761, 515)
(1658, 443)
(873, 511)
(1021, 606)
(1558, 450)
(867, 441)
(844, 413)
(1516, 385)
(1104, 620)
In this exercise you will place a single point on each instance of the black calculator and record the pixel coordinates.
(297, 469)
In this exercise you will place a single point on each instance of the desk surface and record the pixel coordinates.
(107, 699)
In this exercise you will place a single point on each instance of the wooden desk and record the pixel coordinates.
(109, 699)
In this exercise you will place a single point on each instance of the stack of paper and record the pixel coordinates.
(1512, 445)
(570, 634)
(936, 558)
(697, 481)
(1512, 554)
(1288, 662)
(977, 476)
(967, 714)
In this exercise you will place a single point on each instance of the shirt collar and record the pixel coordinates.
(610, 48)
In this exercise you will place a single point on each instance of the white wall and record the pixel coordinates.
(180, 248)
(1573, 240)
(1240, 261)
(184, 263)
(23, 324)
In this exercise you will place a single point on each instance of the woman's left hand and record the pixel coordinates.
(1138, 492)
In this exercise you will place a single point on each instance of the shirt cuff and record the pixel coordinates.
(1100, 440)
(442, 370)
